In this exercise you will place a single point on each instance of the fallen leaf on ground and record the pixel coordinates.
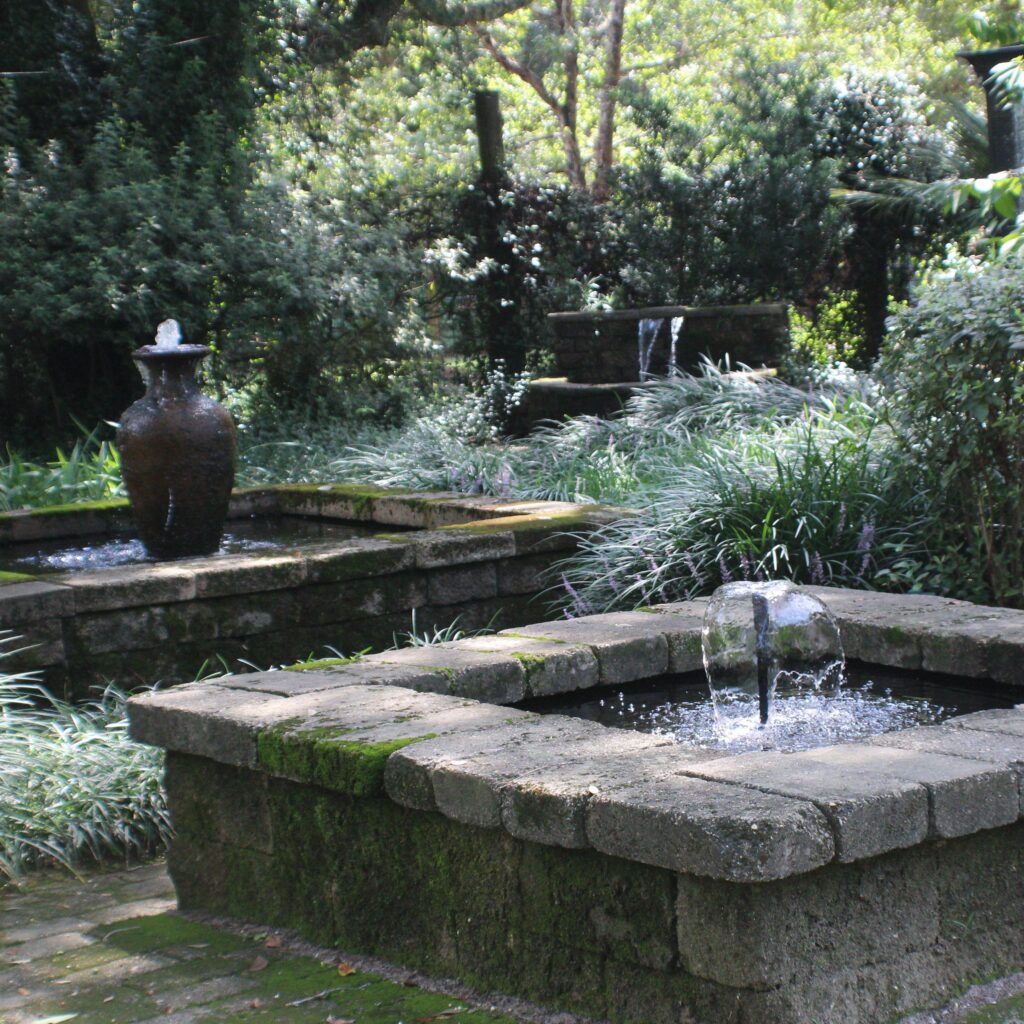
(345, 970)
(256, 1004)
(24, 992)
(258, 964)
(273, 942)
(442, 1014)
(339, 1020)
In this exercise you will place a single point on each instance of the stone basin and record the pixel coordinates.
(399, 806)
(367, 558)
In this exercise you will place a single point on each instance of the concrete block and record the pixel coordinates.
(964, 796)
(712, 829)
(130, 586)
(491, 677)
(550, 667)
(869, 813)
(628, 645)
(29, 602)
(247, 574)
(476, 582)
(782, 933)
(443, 548)
(523, 575)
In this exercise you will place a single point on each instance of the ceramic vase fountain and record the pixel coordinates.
(177, 452)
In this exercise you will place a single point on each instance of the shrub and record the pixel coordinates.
(954, 377)
(73, 786)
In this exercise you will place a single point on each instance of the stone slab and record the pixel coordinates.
(712, 829)
(869, 813)
(208, 721)
(964, 796)
(1006, 721)
(130, 586)
(551, 667)
(458, 774)
(435, 549)
(357, 559)
(231, 575)
(491, 677)
(628, 645)
(547, 803)
(31, 601)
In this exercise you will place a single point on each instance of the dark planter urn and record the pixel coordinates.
(177, 455)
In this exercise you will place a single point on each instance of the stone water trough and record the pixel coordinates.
(313, 565)
(404, 806)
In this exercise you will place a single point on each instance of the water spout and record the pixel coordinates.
(647, 335)
(676, 327)
(168, 334)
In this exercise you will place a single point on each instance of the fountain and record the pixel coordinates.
(177, 452)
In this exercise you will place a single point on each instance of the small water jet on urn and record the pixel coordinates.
(177, 452)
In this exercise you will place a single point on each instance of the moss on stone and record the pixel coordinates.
(322, 757)
(81, 508)
(7, 578)
(313, 664)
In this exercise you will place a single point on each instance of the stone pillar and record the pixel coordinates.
(1005, 123)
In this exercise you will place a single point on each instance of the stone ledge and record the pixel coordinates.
(566, 782)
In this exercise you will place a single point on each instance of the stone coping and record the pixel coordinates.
(427, 727)
(661, 312)
(443, 529)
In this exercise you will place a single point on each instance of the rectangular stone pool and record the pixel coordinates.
(400, 806)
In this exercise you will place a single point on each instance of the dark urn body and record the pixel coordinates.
(177, 455)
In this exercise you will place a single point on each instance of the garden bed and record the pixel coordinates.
(397, 806)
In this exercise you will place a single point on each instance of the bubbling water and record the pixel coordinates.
(168, 334)
(765, 643)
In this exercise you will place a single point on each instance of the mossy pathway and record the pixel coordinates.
(112, 951)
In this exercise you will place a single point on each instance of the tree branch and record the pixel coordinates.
(438, 12)
(521, 71)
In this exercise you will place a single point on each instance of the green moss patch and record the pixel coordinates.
(196, 968)
(322, 757)
(7, 578)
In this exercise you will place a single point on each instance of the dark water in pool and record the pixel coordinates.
(873, 701)
(241, 536)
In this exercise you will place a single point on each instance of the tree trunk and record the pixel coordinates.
(570, 139)
(604, 146)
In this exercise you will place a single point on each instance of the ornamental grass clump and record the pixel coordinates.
(816, 500)
(73, 787)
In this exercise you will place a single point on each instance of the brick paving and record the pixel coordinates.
(110, 949)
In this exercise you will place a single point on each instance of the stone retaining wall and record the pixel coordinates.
(601, 348)
(380, 806)
(465, 558)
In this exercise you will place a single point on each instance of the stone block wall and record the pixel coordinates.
(602, 348)
(479, 560)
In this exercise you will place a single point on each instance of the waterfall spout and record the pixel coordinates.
(647, 335)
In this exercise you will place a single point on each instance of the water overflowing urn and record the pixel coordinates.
(177, 452)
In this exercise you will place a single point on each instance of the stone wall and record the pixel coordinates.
(601, 348)
(478, 560)
(378, 806)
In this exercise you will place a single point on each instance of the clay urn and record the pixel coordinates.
(177, 452)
